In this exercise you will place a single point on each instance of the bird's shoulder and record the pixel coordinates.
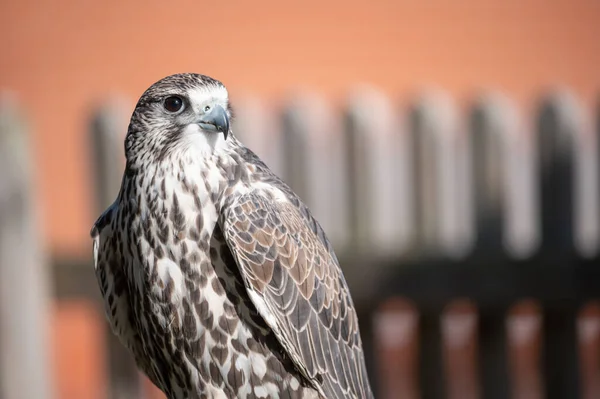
(103, 221)
(101, 230)
(267, 186)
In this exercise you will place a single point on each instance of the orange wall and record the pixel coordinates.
(79, 351)
(60, 57)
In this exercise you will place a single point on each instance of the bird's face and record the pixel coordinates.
(180, 114)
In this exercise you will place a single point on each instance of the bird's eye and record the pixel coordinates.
(207, 108)
(173, 104)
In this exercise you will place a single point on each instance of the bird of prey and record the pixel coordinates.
(214, 274)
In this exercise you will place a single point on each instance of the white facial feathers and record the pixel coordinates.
(201, 142)
(200, 97)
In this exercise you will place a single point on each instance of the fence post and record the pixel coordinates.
(524, 336)
(380, 179)
(441, 179)
(107, 131)
(588, 334)
(313, 164)
(25, 300)
(557, 133)
(396, 329)
(255, 125)
(564, 164)
(487, 133)
(460, 340)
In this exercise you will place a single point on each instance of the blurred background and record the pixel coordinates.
(449, 149)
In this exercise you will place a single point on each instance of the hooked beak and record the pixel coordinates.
(215, 120)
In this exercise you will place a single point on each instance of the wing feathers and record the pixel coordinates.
(296, 284)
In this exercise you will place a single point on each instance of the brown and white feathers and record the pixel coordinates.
(214, 274)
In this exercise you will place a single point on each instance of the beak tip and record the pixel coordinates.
(225, 126)
(217, 120)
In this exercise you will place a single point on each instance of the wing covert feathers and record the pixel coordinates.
(297, 286)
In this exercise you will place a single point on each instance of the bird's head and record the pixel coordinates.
(179, 114)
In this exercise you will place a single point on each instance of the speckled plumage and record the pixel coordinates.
(214, 274)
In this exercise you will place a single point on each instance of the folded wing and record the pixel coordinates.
(297, 286)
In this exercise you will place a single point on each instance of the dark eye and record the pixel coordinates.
(207, 108)
(173, 103)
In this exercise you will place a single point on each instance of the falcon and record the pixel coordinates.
(214, 274)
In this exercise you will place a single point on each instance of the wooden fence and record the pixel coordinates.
(25, 301)
(469, 235)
